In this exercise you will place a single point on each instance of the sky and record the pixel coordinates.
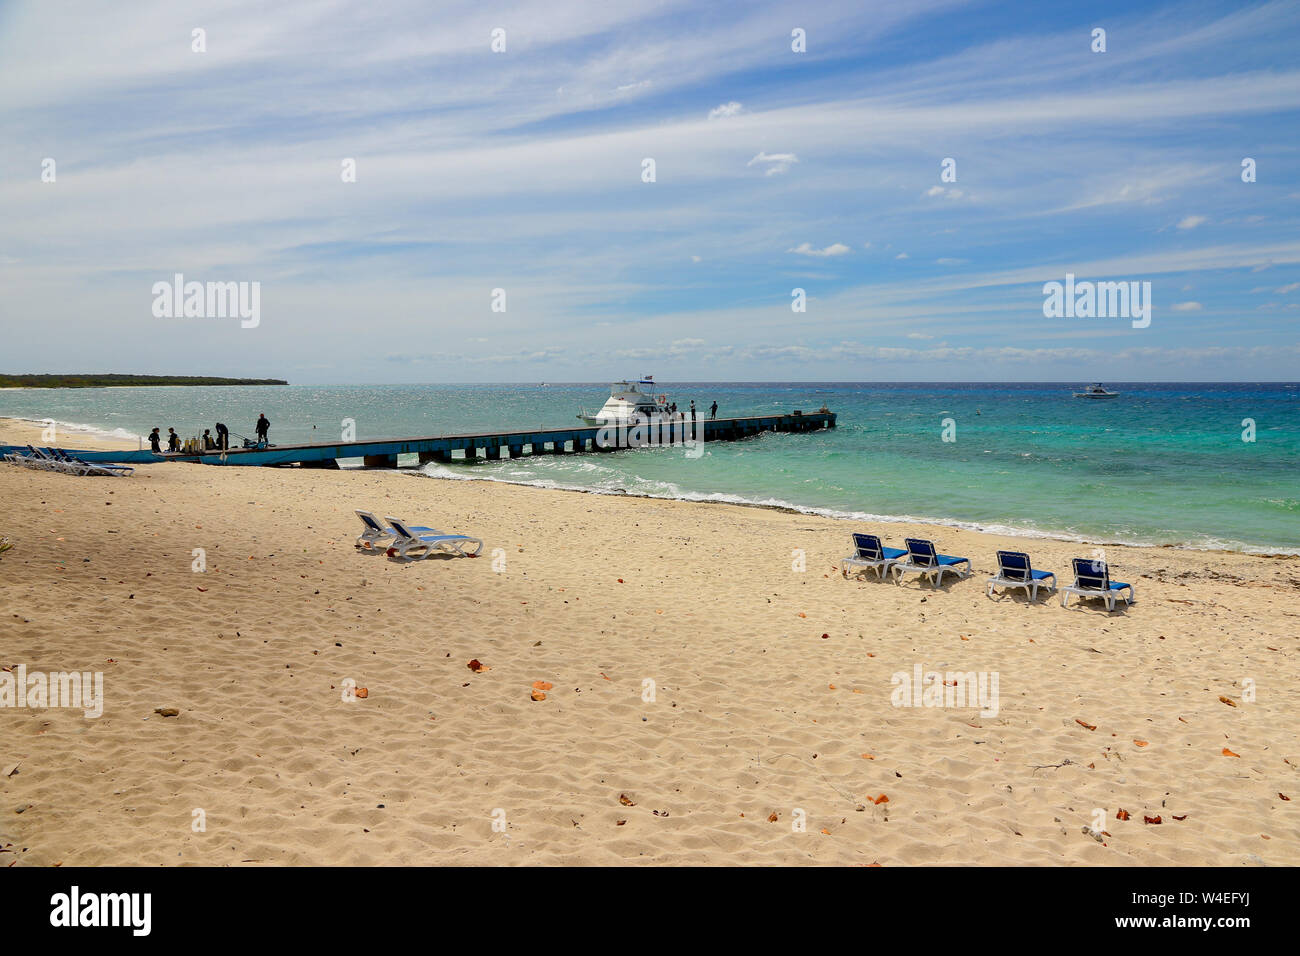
(523, 169)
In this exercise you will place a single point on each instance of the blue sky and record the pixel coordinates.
(775, 170)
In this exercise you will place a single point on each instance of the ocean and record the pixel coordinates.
(1163, 464)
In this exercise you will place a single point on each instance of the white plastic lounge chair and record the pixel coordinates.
(1092, 580)
(1015, 571)
(18, 458)
(408, 540)
(922, 559)
(53, 460)
(82, 467)
(39, 459)
(65, 463)
(870, 555)
(376, 532)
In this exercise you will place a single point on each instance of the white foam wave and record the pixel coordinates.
(650, 488)
(81, 428)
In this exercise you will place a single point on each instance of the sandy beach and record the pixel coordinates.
(772, 695)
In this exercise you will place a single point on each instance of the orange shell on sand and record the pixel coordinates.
(542, 685)
(538, 695)
(363, 692)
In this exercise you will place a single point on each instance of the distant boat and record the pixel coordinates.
(629, 400)
(1096, 391)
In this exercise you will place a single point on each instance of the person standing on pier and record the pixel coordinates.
(173, 440)
(223, 436)
(713, 411)
(153, 441)
(692, 409)
(263, 428)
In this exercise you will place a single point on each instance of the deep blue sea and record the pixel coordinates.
(1162, 464)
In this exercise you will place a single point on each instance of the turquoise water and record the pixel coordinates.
(1163, 464)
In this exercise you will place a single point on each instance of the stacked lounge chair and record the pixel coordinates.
(54, 459)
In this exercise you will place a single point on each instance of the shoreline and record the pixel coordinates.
(829, 514)
(28, 430)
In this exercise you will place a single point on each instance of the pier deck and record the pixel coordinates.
(384, 452)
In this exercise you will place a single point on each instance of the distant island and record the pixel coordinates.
(106, 381)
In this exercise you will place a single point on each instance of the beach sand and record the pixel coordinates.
(772, 686)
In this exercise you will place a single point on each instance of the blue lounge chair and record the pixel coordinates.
(408, 539)
(925, 561)
(1015, 571)
(1092, 580)
(870, 554)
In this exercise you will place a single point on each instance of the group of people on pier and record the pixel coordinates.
(208, 443)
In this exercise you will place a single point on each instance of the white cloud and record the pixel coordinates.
(696, 259)
(919, 335)
(950, 262)
(1190, 222)
(1186, 307)
(779, 162)
(806, 249)
(1288, 289)
(629, 87)
(725, 110)
(901, 255)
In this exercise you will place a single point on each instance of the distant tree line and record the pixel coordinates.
(104, 381)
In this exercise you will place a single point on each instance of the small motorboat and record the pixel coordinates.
(1096, 391)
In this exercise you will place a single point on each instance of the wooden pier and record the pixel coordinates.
(385, 452)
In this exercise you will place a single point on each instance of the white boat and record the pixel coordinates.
(628, 400)
(1096, 391)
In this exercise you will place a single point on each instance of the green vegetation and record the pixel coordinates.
(105, 381)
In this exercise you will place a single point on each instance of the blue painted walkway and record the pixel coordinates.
(383, 452)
